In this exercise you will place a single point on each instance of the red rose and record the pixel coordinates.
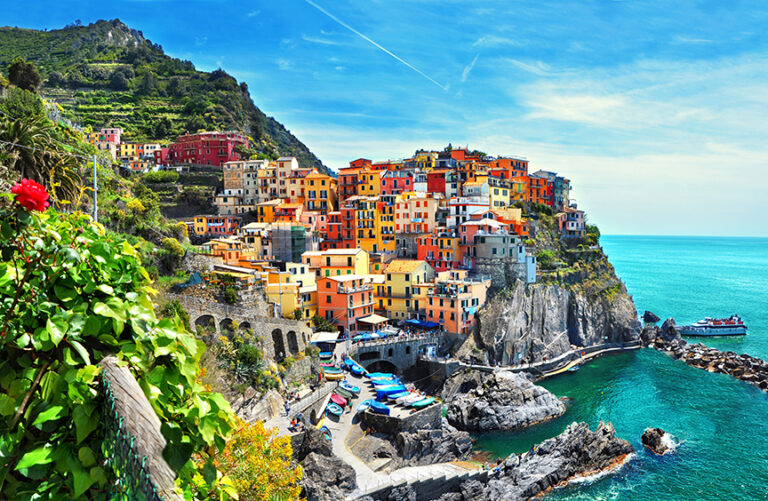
(31, 195)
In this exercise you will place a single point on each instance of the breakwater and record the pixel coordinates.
(745, 367)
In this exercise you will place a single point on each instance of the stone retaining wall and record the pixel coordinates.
(425, 419)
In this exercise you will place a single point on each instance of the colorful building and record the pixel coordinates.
(397, 295)
(441, 250)
(205, 148)
(345, 300)
(453, 302)
(336, 262)
(216, 225)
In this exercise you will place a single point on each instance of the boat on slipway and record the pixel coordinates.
(731, 326)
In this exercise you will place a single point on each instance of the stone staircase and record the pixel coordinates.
(427, 482)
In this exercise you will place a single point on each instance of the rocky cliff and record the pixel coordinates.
(499, 401)
(531, 323)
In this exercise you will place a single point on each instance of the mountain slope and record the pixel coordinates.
(107, 74)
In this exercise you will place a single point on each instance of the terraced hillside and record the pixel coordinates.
(107, 74)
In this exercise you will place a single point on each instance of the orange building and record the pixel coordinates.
(454, 302)
(440, 250)
(344, 300)
(540, 190)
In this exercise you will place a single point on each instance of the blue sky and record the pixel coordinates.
(655, 110)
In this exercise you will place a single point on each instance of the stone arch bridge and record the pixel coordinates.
(280, 337)
(393, 355)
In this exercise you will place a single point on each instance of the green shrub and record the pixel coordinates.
(161, 176)
(249, 354)
(546, 259)
(230, 295)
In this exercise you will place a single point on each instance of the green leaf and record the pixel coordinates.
(106, 289)
(51, 413)
(55, 331)
(86, 456)
(83, 481)
(64, 293)
(85, 421)
(7, 405)
(80, 349)
(41, 455)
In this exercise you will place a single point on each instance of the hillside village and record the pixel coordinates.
(419, 240)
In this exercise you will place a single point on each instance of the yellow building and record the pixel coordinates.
(265, 211)
(398, 297)
(499, 197)
(319, 192)
(369, 182)
(335, 262)
(127, 151)
(293, 290)
(425, 160)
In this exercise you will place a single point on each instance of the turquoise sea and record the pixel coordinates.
(720, 423)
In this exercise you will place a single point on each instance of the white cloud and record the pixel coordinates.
(253, 13)
(538, 68)
(683, 39)
(318, 40)
(284, 64)
(200, 41)
(468, 69)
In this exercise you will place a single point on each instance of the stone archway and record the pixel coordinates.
(244, 327)
(227, 327)
(293, 342)
(206, 323)
(368, 355)
(278, 344)
(382, 366)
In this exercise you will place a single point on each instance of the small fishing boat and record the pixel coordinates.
(326, 433)
(385, 382)
(338, 400)
(395, 396)
(331, 370)
(334, 376)
(350, 388)
(385, 393)
(379, 375)
(409, 398)
(423, 403)
(334, 409)
(574, 368)
(326, 354)
(327, 364)
(380, 408)
(344, 393)
(364, 405)
(354, 367)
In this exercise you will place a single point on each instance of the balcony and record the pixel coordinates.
(350, 290)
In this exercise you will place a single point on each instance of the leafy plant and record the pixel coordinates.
(230, 295)
(71, 294)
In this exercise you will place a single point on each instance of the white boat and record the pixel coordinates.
(731, 326)
(409, 399)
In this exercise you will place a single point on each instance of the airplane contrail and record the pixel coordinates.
(350, 28)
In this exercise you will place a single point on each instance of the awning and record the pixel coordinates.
(325, 337)
(373, 319)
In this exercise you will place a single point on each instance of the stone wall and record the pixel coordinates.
(402, 353)
(503, 272)
(298, 371)
(426, 419)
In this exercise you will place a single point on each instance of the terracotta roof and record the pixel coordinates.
(403, 266)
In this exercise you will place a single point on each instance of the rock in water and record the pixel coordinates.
(653, 439)
(650, 317)
(576, 452)
(503, 400)
(669, 331)
(326, 478)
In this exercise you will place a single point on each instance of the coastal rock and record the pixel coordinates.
(650, 317)
(433, 446)
(669, 331)
(653, 439)
(312, 440)
(326, 478)
(649, 334)
(532, 323)
(576, 452)
(504, 401)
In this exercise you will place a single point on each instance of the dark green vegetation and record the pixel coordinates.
(107, 74)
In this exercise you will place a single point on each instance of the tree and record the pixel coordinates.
(546, 259)
(118, 81)
(24, 75)
(56, 79)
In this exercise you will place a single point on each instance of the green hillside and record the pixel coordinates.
(107, 74)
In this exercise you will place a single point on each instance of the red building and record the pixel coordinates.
(441, 251)
(205, 148)
(347, 181)
(394, 182)
(436, 181)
